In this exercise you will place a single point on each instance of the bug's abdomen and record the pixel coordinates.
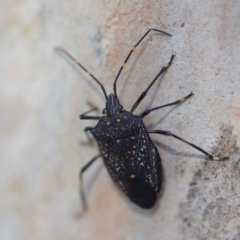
(119, 158)
(134, 165)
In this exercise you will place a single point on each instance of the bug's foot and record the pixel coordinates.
(219, 158)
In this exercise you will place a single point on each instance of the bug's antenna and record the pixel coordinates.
(59, 49)
(130, 53)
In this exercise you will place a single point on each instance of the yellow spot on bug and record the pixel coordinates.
(108, 123)
(133, 137)
(132, 176)
(216, 158)
(118, 120)
(118, 141)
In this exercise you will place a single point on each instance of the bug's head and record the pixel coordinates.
(112, 106)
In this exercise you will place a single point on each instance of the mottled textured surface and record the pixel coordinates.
(211, 210)
(42, 144)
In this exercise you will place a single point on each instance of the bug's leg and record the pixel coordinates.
(82, 195)
(59, 49)
(89, 141)
(146, 112)
(169, 134)
(144, 93)
(130, 53)
(83, 116)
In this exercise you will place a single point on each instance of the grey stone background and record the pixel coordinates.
(42, 94)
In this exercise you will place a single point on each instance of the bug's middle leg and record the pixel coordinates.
(89, 141)
(87, 129)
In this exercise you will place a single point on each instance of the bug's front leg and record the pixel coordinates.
(144, 93)
(169, 134)
(84, 117)
(146, 112)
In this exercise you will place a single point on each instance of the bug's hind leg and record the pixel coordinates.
(169, 134)
(144, 93)
(146, 112)
(81, 191)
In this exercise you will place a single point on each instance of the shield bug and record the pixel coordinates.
(128, 152)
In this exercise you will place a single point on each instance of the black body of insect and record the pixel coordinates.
(129, 154)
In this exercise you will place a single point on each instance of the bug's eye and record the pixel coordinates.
(104, 111)
(120, 108)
